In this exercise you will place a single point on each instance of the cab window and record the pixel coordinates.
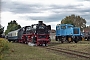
(63, 27)
(58, 27)
(69, 27)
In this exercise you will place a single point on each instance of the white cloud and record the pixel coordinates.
(8, 16)
(53, 24)
(44, 13)
(46, 2)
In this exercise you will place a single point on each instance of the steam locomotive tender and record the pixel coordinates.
(67, 32)
(37, 34)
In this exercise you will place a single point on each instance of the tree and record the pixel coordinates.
(75, 20)
(1, 30)
(12, 25)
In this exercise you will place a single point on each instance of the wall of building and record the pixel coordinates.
(52, 36)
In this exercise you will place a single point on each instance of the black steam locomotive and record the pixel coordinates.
(37, 34)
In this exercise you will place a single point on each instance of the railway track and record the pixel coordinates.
(70, 52)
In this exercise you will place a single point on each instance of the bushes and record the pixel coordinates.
(3, 46)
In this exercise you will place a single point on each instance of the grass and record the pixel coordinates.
(19, 51)
(3, 47)
(82, 46)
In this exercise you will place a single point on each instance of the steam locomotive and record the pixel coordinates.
(37, 34)
(67, 32)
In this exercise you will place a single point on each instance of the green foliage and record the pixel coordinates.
(75, 20)
(1, 30)
(68, 22)
(13, 25)
(4, 46)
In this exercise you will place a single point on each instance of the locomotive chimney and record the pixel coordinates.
(40, 22)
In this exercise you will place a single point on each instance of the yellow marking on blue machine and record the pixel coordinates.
(69, 39)
(83, 39)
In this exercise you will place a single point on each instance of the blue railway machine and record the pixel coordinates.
(67, 32)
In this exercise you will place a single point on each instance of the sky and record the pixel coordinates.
(51, 12)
